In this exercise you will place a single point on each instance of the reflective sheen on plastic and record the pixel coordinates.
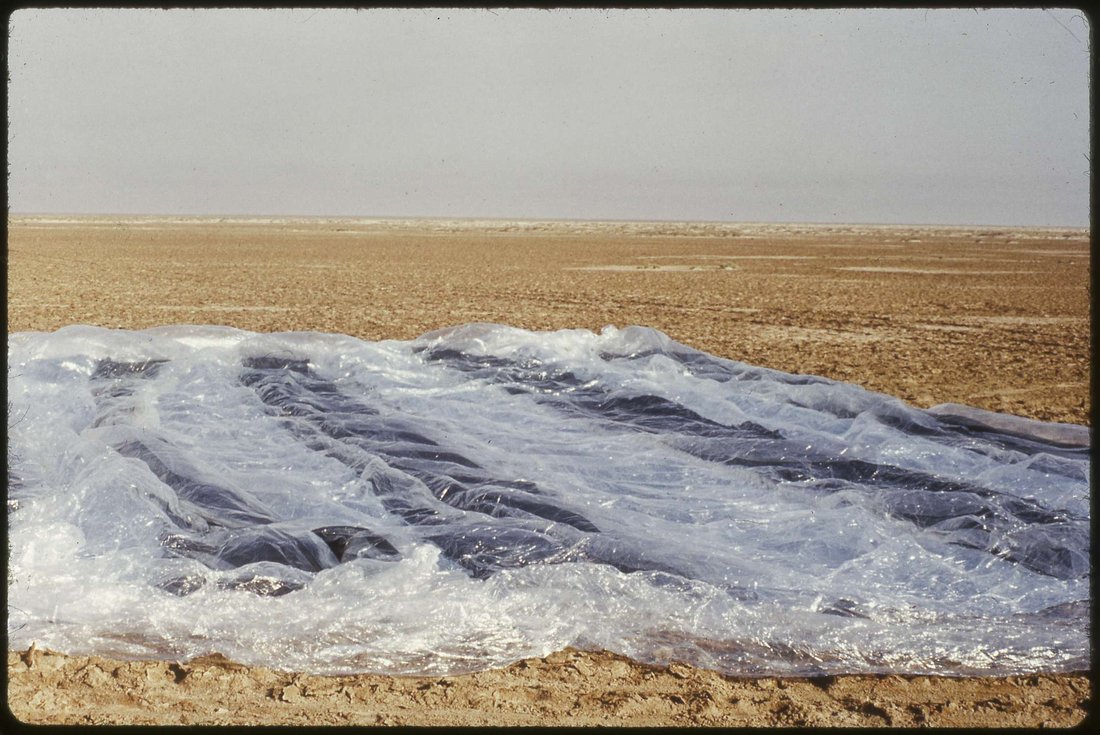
(319, 503)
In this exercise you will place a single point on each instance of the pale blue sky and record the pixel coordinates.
(894, 116)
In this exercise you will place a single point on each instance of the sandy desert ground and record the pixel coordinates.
(991, 317)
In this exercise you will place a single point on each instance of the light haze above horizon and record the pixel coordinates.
(879, 116)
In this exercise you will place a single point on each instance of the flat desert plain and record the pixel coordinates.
(991, 317)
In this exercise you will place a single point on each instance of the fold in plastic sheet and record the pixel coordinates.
(482, 494)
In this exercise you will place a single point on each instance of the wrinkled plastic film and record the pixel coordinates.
(481, 494)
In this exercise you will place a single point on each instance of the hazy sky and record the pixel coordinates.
(906, 116)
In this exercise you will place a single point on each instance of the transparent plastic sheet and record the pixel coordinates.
(481, 494)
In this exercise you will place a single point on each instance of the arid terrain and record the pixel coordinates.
(993, 317)
(566, 688)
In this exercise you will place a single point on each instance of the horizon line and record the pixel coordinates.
(503, 219)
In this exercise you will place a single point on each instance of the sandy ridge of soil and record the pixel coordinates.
(568, 688)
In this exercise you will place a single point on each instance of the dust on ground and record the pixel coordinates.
(566, 688)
